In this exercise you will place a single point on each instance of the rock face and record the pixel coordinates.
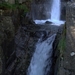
(43, 7)
(18, 39)
(13, 54)
(20, 52)
(6, 33)
(67, 64)
(70, 37)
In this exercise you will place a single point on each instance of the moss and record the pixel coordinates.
(6, 6)
(62, 43)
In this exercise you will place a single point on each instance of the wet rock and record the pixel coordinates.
(23, 51)
(40, 34)
(48, 22)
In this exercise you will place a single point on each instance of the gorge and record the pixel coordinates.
(41, 61)
(33, 35)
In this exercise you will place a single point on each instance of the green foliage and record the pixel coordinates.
(62, 43)
(6, 5)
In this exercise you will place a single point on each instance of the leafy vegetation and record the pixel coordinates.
(6, 5)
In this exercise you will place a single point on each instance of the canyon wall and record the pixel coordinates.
(67, 61)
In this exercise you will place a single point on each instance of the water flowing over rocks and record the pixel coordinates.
(20, 48)
(19, 35)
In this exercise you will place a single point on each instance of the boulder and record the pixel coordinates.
(48, 22)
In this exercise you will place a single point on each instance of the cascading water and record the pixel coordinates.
(55, 11)
(42, 60)
(55, 14)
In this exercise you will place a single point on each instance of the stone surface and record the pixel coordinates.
(6, 33)
(67, 64)
(8, 28)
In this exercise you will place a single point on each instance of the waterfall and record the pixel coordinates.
(55, 14)
(42, 60)
(55, 11)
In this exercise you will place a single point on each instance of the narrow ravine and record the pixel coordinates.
(41, 61)
(30, 33)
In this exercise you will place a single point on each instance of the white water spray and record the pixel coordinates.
(42, 57)
(55, 11)
(55, 14)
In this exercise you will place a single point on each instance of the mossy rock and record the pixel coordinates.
(62, 42)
